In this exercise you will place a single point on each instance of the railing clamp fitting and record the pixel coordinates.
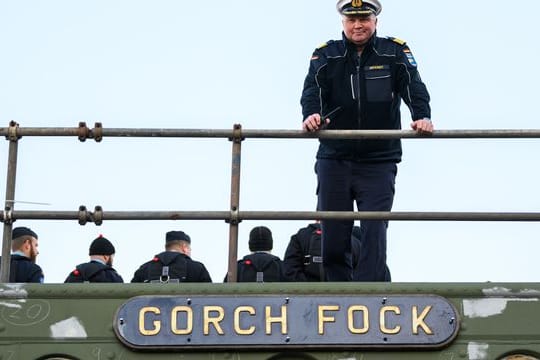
(98, 215)
(7, 216)
(97, 132)
(12, 131)
(83, 215)
(83, 131)
(234, 218)
(237, 134)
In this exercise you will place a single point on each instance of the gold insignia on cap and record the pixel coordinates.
(357, 3)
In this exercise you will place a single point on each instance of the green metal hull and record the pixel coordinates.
(495, 320)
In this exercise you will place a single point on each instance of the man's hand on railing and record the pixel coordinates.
(313, 122)
(422, 126)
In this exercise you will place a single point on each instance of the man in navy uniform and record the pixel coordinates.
(260, 265)
(24, 247)
(99, 269)
(358, 82)
(303, 260)
(174, 265)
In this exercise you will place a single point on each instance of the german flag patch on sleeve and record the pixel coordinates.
(409, 56)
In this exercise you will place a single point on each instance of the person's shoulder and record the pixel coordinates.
(192, 262)
(396, 40)
(37, 268)
(116, 277)
(330, 48)
(147, 263)
(309, 228)
(328, 44)
(276, 258)
(111, 269)
(390, 43)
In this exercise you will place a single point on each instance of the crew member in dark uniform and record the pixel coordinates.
(260, 265)
(24, 251)
(354, 83)
(174, 265)
(99, 269)
(303, 260)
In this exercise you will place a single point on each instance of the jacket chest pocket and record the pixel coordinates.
(378, 83)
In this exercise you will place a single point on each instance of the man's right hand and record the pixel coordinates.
(313, 123)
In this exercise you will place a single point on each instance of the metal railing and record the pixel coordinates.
(233, 217)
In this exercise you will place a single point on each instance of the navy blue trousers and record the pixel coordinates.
(371, 185)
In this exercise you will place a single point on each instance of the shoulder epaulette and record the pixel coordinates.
(397, 41)
(322, 46)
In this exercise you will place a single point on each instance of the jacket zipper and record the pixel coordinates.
(358, 97)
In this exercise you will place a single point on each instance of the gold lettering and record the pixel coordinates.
(278, 319)
(156, 323)
(365, 319)
(189, 320)
(213, 320)
(323, 318)
(382, 319)
(243, 309)
(419, 321)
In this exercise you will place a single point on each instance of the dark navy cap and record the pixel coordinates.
(176, 236)
(22, 231)
(359, 7)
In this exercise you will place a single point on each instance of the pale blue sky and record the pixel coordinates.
(191, 64)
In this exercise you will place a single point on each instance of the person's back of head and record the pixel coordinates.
(23, 260)
(25, 240)
(101, 246)
(102, 249)
(178, 241)
(260, 239)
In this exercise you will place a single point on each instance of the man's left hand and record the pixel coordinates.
(423, 126)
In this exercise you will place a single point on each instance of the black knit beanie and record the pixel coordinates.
(101, 246)
(260, 239)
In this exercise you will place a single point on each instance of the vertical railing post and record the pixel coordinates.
(235, 202)
(10, 201)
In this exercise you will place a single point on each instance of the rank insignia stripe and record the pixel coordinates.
(397, 41)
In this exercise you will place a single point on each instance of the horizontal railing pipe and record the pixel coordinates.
(272, 215)
(275, 134)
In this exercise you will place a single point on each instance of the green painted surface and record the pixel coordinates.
(75, 321)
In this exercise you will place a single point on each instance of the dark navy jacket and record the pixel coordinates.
(23, 270)
(94, 272)
(195, 271)
(303, 261)
(368, 91)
